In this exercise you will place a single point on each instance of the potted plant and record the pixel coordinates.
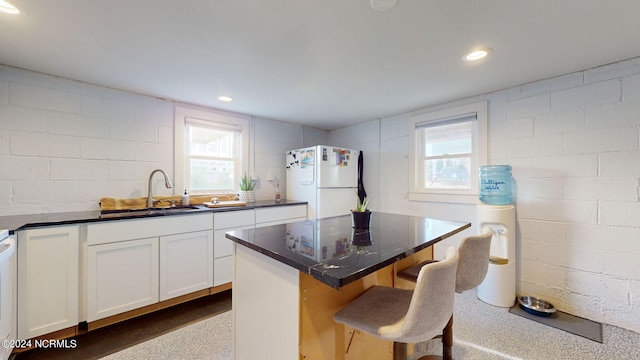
(361, 216)
(247, 192)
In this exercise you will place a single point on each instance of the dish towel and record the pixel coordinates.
(362, 193)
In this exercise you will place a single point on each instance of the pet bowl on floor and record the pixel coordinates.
(536, 306)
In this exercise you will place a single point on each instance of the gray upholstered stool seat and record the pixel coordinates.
(472, 267)
(473, 264)
(406, 316)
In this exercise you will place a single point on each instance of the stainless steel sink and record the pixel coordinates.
(148, 211)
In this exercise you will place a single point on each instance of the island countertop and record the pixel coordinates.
(336, 254)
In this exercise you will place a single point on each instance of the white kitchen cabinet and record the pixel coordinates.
(186, 263)
(245, 219)
(223, 247)
(280, 214)
(121, 276)
(122, 230)
(223, 270)
(48, 280)
(138, 262)
(8, 306)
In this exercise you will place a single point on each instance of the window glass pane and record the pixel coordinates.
(447, 146)
(447, 173)
(213, 155)
(212, 174)
(447, 139)
(211, 142)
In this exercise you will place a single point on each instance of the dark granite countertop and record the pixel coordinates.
(336, 254)
(20, 222)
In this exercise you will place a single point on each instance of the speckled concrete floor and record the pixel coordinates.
(208, 339)
(481, 332)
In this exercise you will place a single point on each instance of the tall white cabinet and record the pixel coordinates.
(48, 272)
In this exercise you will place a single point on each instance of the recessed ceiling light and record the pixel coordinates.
(382, 4)
(476, 55)
(225, 98)
(8, 8)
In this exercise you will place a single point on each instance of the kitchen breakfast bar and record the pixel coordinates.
(290, 279)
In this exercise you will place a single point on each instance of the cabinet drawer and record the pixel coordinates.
(280, 213)
(234, 219)
(221, 245)
(223, 270)
(113, 231)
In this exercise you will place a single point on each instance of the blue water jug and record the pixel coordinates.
(495, 184)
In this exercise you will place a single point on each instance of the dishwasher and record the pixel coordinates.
(8, 279)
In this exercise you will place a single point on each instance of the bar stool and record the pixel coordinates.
(406, 316)
(472, 268)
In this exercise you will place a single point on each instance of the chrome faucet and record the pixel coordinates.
(167, 183)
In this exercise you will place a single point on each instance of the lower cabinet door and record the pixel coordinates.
(186, 263)
(48, 273)
(121, 276)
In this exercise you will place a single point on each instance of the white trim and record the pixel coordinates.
(180, 118)
(479, 150)
(445, 198)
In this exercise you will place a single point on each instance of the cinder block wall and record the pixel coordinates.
(573, 142)
(66, 144)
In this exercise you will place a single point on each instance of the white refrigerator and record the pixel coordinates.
(324, 176)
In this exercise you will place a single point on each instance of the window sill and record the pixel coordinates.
(471, 199)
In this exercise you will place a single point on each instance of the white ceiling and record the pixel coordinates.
(321, 63)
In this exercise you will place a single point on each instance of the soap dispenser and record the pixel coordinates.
(185, 198)
(278, 194)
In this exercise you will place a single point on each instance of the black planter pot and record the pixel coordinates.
(361, 220)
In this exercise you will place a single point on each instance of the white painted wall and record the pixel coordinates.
(271, 141)
(65, 144)
(573, 142)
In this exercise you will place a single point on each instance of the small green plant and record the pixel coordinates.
(246, 184)
(361, 206)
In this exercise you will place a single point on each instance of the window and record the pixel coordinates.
(211, 151)
(447, 147)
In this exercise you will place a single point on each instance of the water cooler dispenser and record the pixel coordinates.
(498, 216)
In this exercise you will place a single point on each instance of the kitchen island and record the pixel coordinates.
(290, 279)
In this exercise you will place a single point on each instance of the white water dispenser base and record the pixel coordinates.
(499, 286)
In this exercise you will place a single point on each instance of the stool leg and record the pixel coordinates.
(447, 340)
(447, 343)
(399, 351)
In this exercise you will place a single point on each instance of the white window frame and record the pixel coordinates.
(478, 157)
(181, 115)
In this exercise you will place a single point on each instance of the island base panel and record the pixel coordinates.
(265, 307)
(323, 338)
